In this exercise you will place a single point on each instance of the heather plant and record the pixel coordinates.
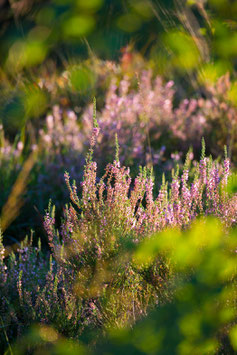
(115, 201)
(142, 111)
(90, 281)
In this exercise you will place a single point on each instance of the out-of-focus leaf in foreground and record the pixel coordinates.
(201, 317)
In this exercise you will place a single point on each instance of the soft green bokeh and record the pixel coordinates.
(78, 26)
(204, 301)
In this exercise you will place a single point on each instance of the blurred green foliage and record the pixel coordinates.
(201, 318)
(82, 79)
(232, 184)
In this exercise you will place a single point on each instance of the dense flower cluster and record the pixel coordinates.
(115, 201)
(144, 116)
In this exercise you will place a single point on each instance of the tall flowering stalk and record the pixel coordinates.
(226, 167)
